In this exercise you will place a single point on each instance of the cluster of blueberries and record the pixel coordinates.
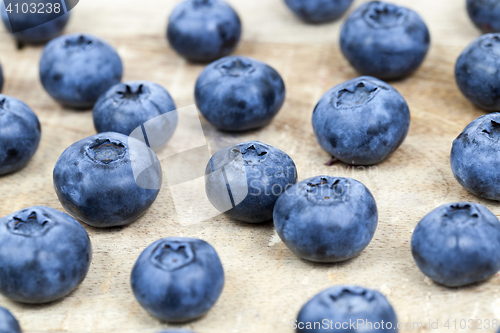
(321, 219)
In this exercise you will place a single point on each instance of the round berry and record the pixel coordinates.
(239, 93)
(245, 180)
(457, 244)
(485, 14)
(178, 279)
(126, 107)
(203, 30)
(45, 255)
(384, 40)
(76, 69)
(361, 121)
(1, 78)
(326, 219)
(8, 323)
(319, 11)
(108, 179)
(475, 159)
(476, 72)
(19, 134)
(342, 305)
(33, 27)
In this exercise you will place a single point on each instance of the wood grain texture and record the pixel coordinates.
(265, 283)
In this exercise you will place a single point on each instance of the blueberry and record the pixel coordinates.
(76, 69)
(384, 40)
(319, 11)
(203, 30)
(342, 305)
(485, 14)
(361, 121)
(178, 279)
(246, 179)
(97, 182)
(238, 93)
(126, 106)
(326, 219)
(1, 78)
(476, 72)
(19, 134)
(474, 157)
(457, 244)
(45, 254)
(40, 32)
(8, 323)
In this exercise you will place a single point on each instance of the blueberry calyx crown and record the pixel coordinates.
(129, 94)
(385, 15)
(352, 299)
(492, 44)
(29, 224)
(492, 129)
(106, 151)
(2, 103)
(326, 191)
(254, 154)
(172, 255)
(202, 3)
(236, 67)
(356, 94)
(80, 41)
(460, 214)
(339, 294)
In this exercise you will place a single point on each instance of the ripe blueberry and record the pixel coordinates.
(319, 11)
(246, 179)
(361, 121)
(384, 40)
(42, 30)
(19, 134)
(8, 323)
(1, 78)
(474, 157)
(485, 14)
(342, 305)
(178, 279)
(99, 181)
(238, 93)
(203, 30)
(476, 72)
(326, 219)
(457, 244)
(45, 254)
(76, 69)
(126, 106)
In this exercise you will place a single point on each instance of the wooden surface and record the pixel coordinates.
(266, 284)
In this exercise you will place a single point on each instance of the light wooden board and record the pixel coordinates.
(265, 283)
